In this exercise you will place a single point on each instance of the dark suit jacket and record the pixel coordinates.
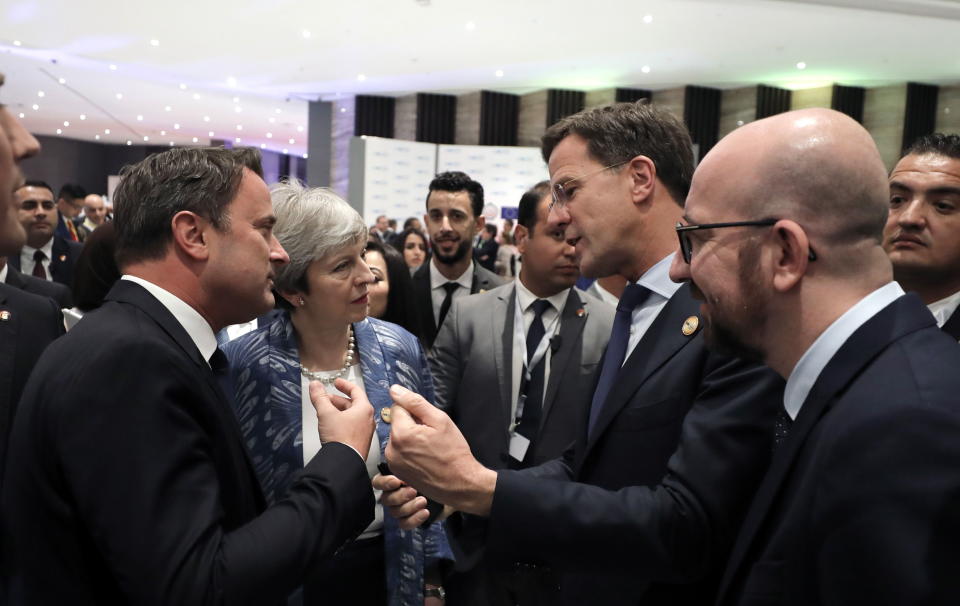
(54, 290)
(472, 364)
(658, 491)
(63, 260)
(28, 323)
(482, 280)
(486, 253)
(861, 504)
(141, 491)
(952, 325)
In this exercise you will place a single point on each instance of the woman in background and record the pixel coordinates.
(324, 334)
(391, 295)
(413, 245)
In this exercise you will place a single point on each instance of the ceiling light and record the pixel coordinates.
(237, 140)
(361, 77)
(66, 123)
(129, 142)
(299, 129)
(168, 109)
(196, 96)
(83, 116)
(236, 99)
(154, 42)
(645, 69)
(263, 146)
(231, 81)
(285, 150)
(59, 131)
(113, 67)
(146, 138)
(106, 131)
(290, 141)
(171, 144)
(277, 110)
(471, 26)
(206, 118)
(176, 127)
(238, 109)
(210, 134)
(304, 156)
(183, 86)
(163, 133)
(306, 33)
(271, 120)
(17, 43)
(35, 107)
(498, 73)
(62, 80)
(195, 140)
(801, 65)
(40, 93)
(119, 95)
(343, 110)
(22, 115)
(239, 126)
(97, 137)
(648, 18)
(139, 118)
(269, 135)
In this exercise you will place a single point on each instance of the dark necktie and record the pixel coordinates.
(633, 296)
(530, 420)
(450, 287)
(218, 363)
(781, 427)
(38, 270)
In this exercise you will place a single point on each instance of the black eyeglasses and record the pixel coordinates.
(561, 196)
(686, 248)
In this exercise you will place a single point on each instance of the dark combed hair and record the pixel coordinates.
(622, 131)
(454, 181)
(401, 305)
(529, 202)
(940, 144)
(70, 190)
(151, 192)
(491, 229)
(38, 183)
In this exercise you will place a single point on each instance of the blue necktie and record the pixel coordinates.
(633, 296)
(530, 421)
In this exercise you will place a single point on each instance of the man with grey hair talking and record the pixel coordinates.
(141, 491)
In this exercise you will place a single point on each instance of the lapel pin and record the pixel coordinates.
(581, 312)
(385, 413)
(690, 325)
(481, 291)
(63, 258)
(4, 315)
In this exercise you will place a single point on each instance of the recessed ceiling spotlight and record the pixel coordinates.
(83, 116)
(195, 140)
(59, 131)
(238, 109)
(263, 146)
(239, 126)
(236, 99)
(237, 140)
(271, 120)
(167, 108)
(176, 126)
(139, 118)
(801, 65)
(210, 134)
(113, 67)
(196, 96)
(163, 133)
(171, 144)
(154, 42)
(206, 118)
(35, 107)
(269, 135)
(285, 150)
(66, 123)
(299, 129)
(129, 142)
(97, 137)
(361, 77)
(471, 26)
(146, 138)
(290, 141)
(119, 95)
(645, 69)
(22, 115)
(306, 33)
(40, 93)
(231, 81)
(17, 43)
(648, 19)
(62, 80)
(498, 73)
(277, 110)
(305, 156)
(343, 110)
(106, 131)
(183, 86)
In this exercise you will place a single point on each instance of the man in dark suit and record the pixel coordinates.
(486, 253)
(54, 290)
(861, 504)
(675, 440)
(69, 206)
(46, 255)
(140, 490)
(922, 234)
(454, 207)
(479, 374)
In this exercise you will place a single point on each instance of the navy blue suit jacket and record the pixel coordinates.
(861, 504)
(65, 254)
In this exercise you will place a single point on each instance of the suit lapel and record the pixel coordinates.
(503, 312)
(56, 263)
(952, 325)
(8, 351)
(661, 342)
(15, 278)
(14, 261)
(906, 314)
(421, 291)
(571, 326)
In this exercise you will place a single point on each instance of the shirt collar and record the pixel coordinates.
(47, 249)
(437, 279)
(944, 308)
(819, 354)
(188, 317)
(657, 278)
(527, 298)
(3, 273)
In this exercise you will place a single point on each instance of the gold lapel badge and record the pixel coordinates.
(385, 413)
(690, 325)
(63, 258)
(581, 312)
(4, 315)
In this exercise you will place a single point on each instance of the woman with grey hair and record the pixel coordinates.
(323, 334)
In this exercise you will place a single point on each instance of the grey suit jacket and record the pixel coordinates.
(483, 280)
(472, 364)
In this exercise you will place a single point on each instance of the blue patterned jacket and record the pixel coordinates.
(265, 376)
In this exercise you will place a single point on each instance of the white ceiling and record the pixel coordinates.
(282, 54)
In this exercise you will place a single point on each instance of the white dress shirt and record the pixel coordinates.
(27, 262)
(657, 280)
(3, 274)
(551, 323)
(818, 355)
(191, 320)
(438, 293)
(944, 308)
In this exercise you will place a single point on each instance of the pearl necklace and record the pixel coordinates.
(325, 377)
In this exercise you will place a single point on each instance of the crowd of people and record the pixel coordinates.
(223, 392)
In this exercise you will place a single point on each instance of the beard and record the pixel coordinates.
(460, 253)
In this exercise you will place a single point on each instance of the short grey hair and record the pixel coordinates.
(312, 222)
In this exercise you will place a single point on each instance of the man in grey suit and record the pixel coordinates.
(510, 419)
(453, 218)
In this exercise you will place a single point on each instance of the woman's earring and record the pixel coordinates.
(301, 301)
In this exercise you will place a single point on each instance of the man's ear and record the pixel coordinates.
(520, 237)
(290, 296)
(189, 234)
(481, 221)
(791, 254)
(643, 176)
